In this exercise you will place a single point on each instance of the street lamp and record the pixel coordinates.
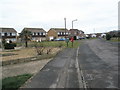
(72, 22)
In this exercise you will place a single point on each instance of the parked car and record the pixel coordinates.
(82, 38)
(60, 39)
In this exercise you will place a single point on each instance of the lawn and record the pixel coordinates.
(55, 44)
(32, 52)
(15, 82)
(115, 40)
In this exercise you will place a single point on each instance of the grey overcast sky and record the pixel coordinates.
(101, 15)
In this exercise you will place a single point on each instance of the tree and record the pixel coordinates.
(26, 36)
(108, 36)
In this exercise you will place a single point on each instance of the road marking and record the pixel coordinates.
(81, 80)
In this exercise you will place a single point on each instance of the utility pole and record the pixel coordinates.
(66, 40)
(65, 27)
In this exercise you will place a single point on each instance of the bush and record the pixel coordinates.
(9, 45)
(108, 37)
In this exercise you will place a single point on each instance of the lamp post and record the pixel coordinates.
(72, 22)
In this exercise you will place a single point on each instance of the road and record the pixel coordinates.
(93, 65)
(99, 63)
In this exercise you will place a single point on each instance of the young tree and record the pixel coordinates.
(26, 36)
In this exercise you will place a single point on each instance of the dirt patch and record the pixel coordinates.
(23, 53)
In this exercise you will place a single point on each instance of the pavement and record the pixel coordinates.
(93, 65)
(32, 67)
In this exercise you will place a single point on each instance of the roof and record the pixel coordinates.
(76, 30)
(8, 30)
(35, 29)
(59, 29)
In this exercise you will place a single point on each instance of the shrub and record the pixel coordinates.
(9, 45)
(49, 50)
(108, 37)
(39, 48)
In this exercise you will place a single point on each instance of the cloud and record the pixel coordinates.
(50, 13)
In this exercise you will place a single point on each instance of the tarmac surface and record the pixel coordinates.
(99, 63)
(93, 65)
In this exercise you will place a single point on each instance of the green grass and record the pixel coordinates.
(14, 82)
(115, 40)
(55, 44)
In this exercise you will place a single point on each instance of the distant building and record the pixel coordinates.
(38, 34)
(93, 35)
(9, 34)
(103, 35)
(57, 33)
(77, 34)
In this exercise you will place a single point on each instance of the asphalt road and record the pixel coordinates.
(93, 65)
(99, 63)
(61, 72)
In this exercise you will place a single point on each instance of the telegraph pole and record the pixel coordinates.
(65, 27)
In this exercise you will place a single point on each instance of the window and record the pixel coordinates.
(10, 34)
(38, 33)
(42, 33)
(5, 34)
(34, 33)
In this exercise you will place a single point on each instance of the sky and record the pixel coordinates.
(92, 16)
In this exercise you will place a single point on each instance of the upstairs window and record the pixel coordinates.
(34, 33)
(5, 34)
(10, 34)
(42, 33)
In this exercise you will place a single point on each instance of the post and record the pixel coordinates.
(65, 33)
(72, 22)
(65, 27)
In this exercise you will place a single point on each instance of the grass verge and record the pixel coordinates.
(14, 82)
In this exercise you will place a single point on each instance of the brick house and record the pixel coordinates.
(38, 34)
(76, 33)
(9, 34)
(56, 33)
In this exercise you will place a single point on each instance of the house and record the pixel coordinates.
(88, 35)
(38, 34)
(103, 35)
(93, 35)
(77, 34)
(57, 33)
(9, 34)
